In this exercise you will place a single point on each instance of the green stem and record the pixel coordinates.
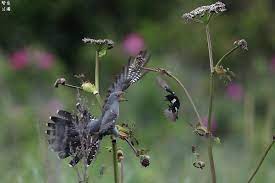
(98, 98)
(72, 86)
(97, 71)
(121, 172)
(261, 161)
(225, 55)
(211, 97)
(115, 163)
(210, 153)
(209, 48)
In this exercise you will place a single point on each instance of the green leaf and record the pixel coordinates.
(102, 53)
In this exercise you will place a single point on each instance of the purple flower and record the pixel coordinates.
(235, 91)
(44, 60)
(19, 59)
(214, 125)
(133, 44)
(272, 64)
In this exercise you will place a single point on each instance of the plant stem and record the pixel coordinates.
(72, 86)
(209, 49)
(132, 147)
(210, 153)
(225, 55)
(261, 161)
(121, 171)
(114, 148)
(211, 97)
(98, 98)
(163, 71)
(97, 70)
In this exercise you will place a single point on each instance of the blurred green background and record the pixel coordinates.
(41, 41)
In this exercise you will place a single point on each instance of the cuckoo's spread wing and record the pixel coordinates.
(131, 73)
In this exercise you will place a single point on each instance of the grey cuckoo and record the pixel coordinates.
(67, 131)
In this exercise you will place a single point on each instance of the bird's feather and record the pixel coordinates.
(130, 74)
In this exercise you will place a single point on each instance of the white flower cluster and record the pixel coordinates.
(106, 43)
(218, 7)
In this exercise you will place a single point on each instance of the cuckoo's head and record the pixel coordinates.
(118, 96)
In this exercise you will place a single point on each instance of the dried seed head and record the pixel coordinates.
(59, 81)
(201, 130)
(199, 12)
(100, 44)
(273, 137)
(199, 164)
(145, 160)
(242, 44)
(120, 155)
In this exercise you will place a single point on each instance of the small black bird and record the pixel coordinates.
(174, 103)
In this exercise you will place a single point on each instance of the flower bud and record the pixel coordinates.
(89, 87)
(59, 81)
(145, 160)
(120, 155)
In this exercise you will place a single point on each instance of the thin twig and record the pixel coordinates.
(225, 55)
(211, 97)
(169, 74)
(132, 147)
(261, 161)
(72, 86)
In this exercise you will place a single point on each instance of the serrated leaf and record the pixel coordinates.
(102, 53)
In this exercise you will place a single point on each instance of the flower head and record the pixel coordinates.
(235, 91)
(19, 59)
(199, 12)
(100, 44)
(133, 43)
(242, 44)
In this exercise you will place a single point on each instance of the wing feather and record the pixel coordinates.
(131, 73)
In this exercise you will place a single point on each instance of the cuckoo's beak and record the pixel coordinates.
(121, 98)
